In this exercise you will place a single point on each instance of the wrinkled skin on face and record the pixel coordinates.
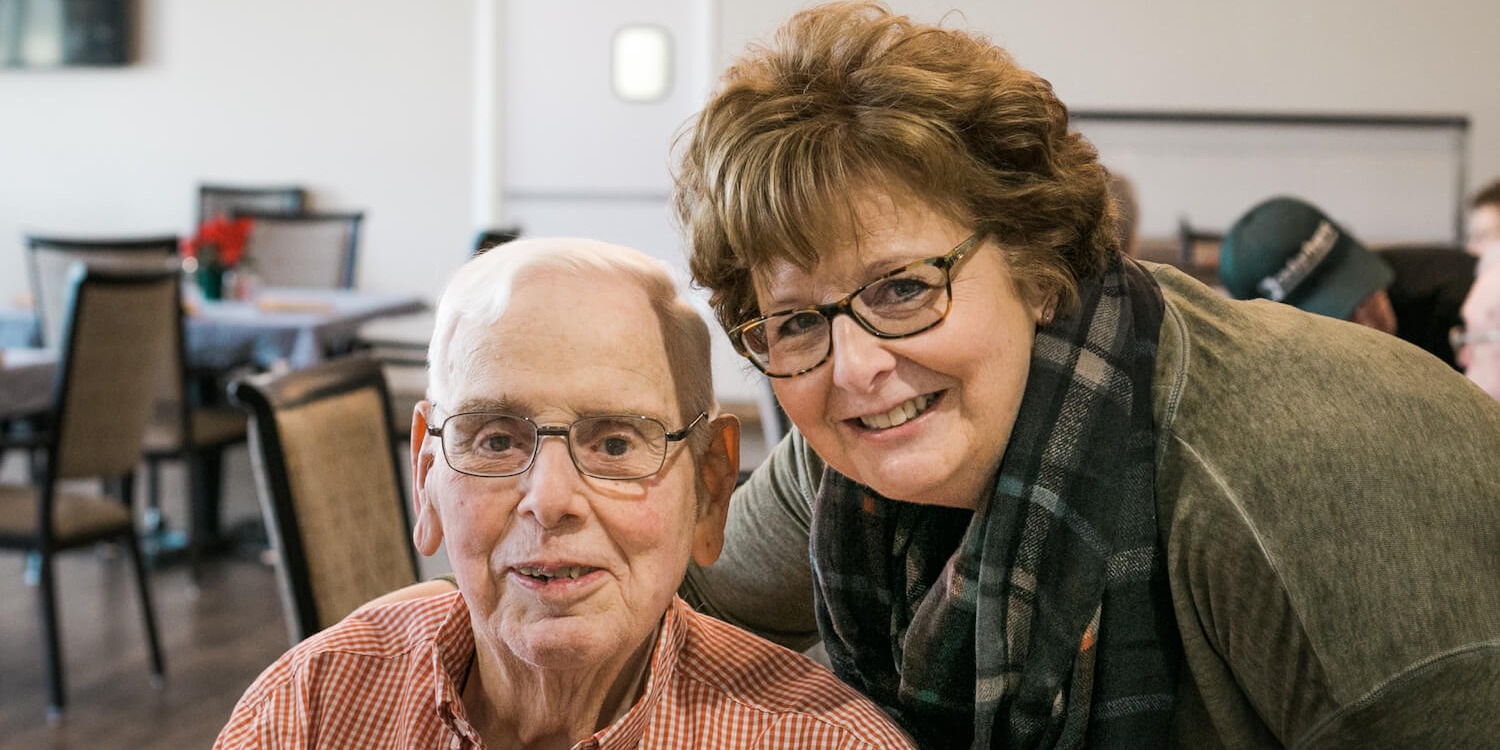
(926, 418)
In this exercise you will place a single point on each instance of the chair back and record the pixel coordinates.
(120, 334)
(224, 200)
(330, 488)
(314, 250)
(1198, 251)
(51, 257)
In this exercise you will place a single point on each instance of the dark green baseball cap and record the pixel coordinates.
(1285, 249)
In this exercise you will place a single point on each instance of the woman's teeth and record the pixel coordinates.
(569, 572)
(899, 415)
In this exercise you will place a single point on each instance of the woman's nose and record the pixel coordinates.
(550, 489)
(859, 358)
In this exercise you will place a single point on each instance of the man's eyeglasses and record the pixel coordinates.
(904, 302)
(1458, 338)
(484, 444)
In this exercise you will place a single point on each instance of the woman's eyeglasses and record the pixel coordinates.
(904, 302)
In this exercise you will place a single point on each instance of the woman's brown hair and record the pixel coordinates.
(851, 97)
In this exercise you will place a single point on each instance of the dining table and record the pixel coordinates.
(279, 329)
(26, 376)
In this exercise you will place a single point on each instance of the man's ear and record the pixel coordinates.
(427, 529)
(718, 470)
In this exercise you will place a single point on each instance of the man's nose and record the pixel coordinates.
(550, 489)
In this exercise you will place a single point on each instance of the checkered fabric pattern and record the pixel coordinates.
(386, 677)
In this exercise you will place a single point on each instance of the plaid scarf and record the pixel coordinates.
(1042, 618)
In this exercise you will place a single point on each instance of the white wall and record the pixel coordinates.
(367, 102)
(372, 103)
(1327, 56)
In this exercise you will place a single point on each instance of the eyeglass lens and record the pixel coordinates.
(497, 445)
(907, 302)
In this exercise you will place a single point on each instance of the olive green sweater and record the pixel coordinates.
(1329, 503)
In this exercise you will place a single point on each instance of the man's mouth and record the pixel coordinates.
(550, 573)
(900, 415)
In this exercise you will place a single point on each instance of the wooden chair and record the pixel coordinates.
(330, 488)
(50, 258)
(117, 338)
(216, 199)
(195, 426)
(186, 425)
(1198, 252)
(316, 250)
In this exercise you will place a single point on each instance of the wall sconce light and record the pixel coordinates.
(641, 63)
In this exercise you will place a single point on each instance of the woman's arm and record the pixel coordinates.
(763, 582)
(431, 587)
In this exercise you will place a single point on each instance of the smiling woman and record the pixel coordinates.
(1094, 503)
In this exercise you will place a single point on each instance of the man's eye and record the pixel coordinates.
(496, 443)
(616, 446)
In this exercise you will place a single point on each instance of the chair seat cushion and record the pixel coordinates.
(75, 517)
(211, 426)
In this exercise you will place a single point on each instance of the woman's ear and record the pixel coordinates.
(427, 527)
(718, 471)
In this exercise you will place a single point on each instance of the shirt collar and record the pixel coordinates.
(627, 732)
(453, 652)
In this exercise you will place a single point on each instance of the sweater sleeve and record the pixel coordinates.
(763, 580)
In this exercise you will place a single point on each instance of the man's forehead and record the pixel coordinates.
(584, 345)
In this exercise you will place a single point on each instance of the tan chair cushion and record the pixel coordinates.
(74, 516)
(339, 468)
(211, 426)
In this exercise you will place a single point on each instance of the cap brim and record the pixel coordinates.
(1349, 276)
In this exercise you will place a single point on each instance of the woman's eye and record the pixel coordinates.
(898, 292)
(798, 324)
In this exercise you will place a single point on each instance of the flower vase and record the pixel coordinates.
(210, 279)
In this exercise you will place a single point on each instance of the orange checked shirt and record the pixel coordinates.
(386, 678)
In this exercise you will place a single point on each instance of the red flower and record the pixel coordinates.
(220, 239)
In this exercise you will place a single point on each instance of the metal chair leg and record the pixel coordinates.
(47, 585)
(148, 611)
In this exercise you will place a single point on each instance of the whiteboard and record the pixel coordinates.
(1385, 179)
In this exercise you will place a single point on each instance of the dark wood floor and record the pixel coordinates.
(214, 645)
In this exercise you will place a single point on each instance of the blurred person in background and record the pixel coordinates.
(1484, 219)
(1287, 250)
(1477, 341)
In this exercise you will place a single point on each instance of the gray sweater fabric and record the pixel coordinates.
(1329, 504)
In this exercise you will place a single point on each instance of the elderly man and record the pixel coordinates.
(572, 458)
